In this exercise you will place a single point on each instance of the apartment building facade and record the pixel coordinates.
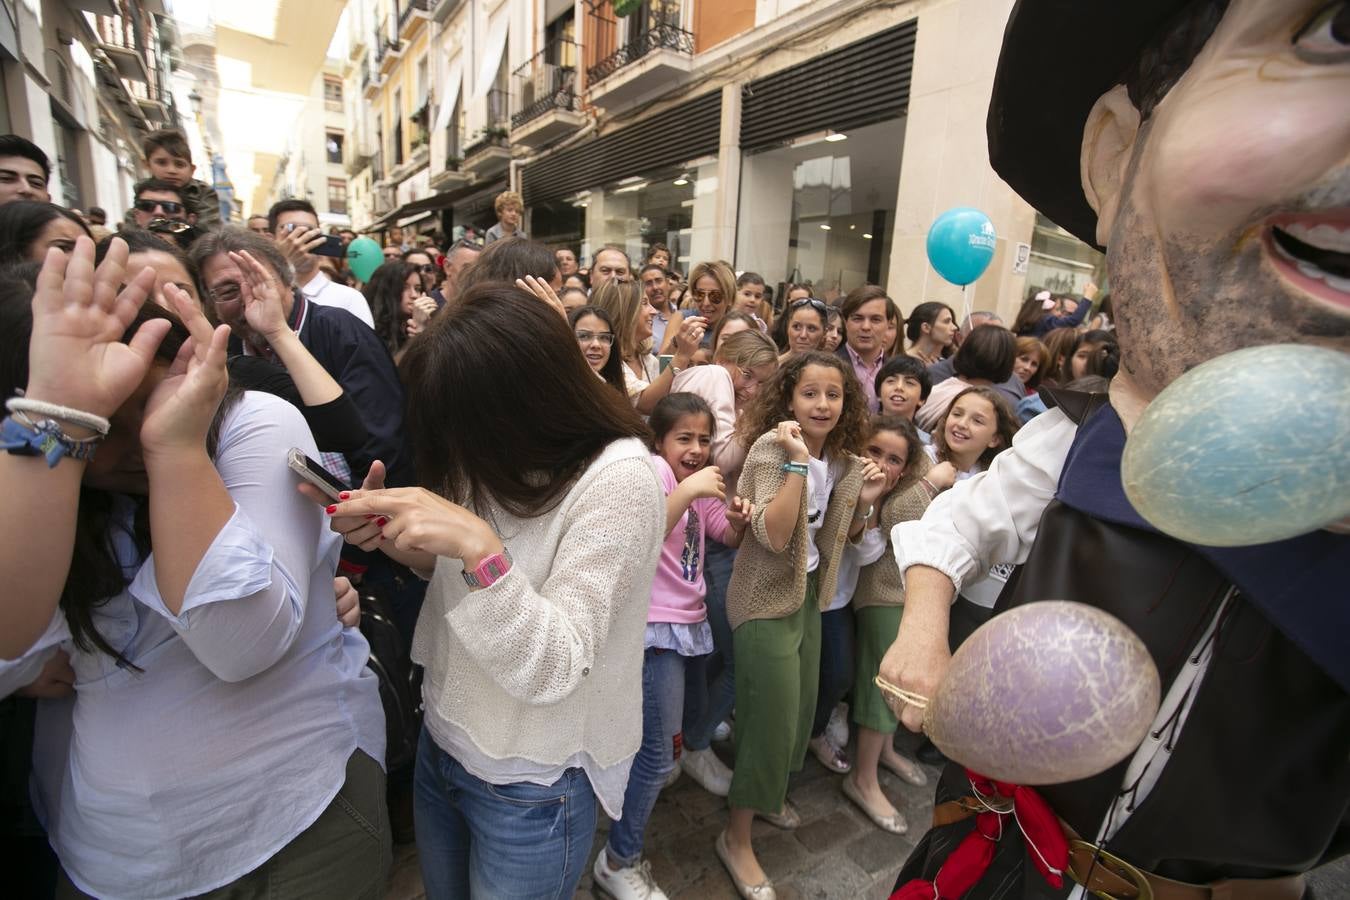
(85, 80)
(807, 140)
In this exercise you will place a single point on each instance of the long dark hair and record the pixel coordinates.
(95, 574)
(502, 407)
(508, 260)
(770, 405)
(612, 370)
(924, 314)
(21, 221)
(384, 292)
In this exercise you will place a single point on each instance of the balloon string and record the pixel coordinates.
(918, 701)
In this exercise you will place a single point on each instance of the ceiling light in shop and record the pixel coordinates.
(824, 228)
(682, 180)
(867, 236)
(853, 228)
(629, 188)
(836, 136)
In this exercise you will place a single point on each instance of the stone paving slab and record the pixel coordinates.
(837, 853)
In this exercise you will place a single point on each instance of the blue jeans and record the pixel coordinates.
(710, 699)
(493, 842)
(662, 707)
(836, 664)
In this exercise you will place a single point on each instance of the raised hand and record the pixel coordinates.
(942, 475)
(179, 411)
(297, 245)
(789, 437)
(362, 531)
(418, 521)
(423, 309)
(689, 337)
(874, 484)
(707, 482)
(76, 357)
(544, 291)
(261, 297)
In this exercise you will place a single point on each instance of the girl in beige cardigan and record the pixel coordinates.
(805, 482)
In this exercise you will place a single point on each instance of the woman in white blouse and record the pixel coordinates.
(225, 735)
(539, 527)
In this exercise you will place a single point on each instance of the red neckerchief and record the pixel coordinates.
(963, 869)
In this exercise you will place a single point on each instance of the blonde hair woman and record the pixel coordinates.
(632, 316)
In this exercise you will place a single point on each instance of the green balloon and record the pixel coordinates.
(364, 256)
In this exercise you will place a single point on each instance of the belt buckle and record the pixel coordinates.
(1116, 866)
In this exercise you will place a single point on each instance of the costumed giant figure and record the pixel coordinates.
(1206, 146)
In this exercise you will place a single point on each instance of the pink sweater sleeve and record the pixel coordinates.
(713, 384)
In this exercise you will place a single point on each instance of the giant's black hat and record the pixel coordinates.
(1058, 57)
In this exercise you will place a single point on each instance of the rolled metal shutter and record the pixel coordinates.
(651, 144)
(859, 84)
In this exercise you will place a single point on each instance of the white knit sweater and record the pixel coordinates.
(546, 663)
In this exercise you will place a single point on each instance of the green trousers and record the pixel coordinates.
(777, 677)
(877, 627)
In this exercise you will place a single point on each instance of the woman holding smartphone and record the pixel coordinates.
(225, 735)
(539, 524)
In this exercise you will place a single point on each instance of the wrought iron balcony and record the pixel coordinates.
(547, 82)
(660, 34)
(411, 13)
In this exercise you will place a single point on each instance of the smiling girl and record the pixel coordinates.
(595, 335)
(677, 636)
(805, 482)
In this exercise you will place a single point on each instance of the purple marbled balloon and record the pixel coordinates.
(1045, 693)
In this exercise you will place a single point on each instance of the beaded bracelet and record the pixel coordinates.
(24, 437)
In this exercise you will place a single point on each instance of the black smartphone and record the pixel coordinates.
(315, 474)
(331, 246)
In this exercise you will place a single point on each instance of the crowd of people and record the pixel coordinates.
(615, 512)
(502, 539)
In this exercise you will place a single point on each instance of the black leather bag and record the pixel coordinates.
(400, 680)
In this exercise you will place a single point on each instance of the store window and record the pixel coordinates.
(1061, 263)
(822, 209)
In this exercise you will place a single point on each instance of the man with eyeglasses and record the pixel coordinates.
(295, 228)
(156, 199)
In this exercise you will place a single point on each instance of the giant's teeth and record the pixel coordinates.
(1340, 284)
(1325, 236)
(1309, 269)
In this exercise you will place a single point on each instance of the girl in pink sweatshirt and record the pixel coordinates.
(678, 636)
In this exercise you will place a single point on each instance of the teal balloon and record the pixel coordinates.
(364, 256)
(961, 244)
(1247, 448)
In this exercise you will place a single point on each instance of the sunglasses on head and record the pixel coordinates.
(168, 206)
(812, 302)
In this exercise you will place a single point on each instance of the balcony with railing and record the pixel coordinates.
(490, 150)
(412, 16)
(630, 57)
(389, 48)
(547, 104)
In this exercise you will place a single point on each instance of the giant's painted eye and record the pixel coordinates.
(1325, 38)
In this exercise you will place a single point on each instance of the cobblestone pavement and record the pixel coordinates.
(836, 853)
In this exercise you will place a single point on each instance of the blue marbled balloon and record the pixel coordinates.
(1248, 448)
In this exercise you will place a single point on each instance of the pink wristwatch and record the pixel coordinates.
(489, 570)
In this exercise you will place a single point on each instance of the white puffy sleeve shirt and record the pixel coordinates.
(992, 517)
(235, 734)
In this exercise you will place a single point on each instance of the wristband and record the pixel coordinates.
(928, 486)
(44, 438)
(63, 413)
(864, 516)
(796, 468)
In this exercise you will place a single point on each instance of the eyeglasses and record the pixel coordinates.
(168, 206)
(590, 337)
(818, 305)
(226, 293)
(714, 296)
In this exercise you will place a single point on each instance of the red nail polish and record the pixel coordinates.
(381, 521)
(345, 495)
(331, 509)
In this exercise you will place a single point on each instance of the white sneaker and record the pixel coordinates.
(710, 772)
(837, 730)
(722, 732)
(633, 883)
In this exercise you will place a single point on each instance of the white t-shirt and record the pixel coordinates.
(324, 291)
(820, 479)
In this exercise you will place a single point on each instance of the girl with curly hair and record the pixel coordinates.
(810, 492)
